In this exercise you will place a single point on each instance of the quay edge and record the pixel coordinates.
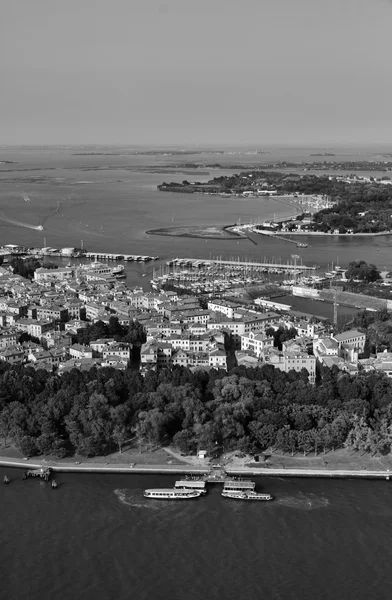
(312, 473)
(189, 470)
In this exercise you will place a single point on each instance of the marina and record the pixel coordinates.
(219, 276)
(244, 264)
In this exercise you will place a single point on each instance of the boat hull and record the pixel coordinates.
(254, 497)
(172, 494)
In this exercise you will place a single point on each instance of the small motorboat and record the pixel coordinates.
(54, 484)
(5, 480)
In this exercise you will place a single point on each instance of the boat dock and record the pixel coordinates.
(240, 264)
(191, 483)
(42, 473)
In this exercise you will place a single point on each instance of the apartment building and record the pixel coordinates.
(80, 351)
(353, 337)
(288, 361)
(55, 313)
(60, 274)
(256, 342)
(120, 350)
(12, 355)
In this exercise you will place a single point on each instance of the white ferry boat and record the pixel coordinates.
(172, 494)
(118, 270)
(246, 496)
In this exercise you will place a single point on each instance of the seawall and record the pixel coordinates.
(189, 469)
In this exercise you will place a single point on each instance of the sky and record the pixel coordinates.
(196, 72)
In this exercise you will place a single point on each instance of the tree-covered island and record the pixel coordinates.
(350, 205)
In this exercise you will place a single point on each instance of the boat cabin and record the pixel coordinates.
(185, 484)
(239, 486)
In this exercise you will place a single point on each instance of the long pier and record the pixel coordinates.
(244, 264)
(275, 236)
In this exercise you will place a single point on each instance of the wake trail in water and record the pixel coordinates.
(134, 499)
(20, 223)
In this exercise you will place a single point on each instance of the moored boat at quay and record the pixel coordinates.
(246, 495)
(191, 484)
(172, 494)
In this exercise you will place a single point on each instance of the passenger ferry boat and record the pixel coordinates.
(191, 484)
(246, 495)
(172, 494)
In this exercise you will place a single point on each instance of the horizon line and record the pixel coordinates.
(254, 145)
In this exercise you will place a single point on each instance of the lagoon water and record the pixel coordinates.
(97, 537)
(110, 201)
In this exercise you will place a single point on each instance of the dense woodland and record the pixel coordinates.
(99, 411)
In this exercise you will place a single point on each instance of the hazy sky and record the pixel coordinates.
(195, 71)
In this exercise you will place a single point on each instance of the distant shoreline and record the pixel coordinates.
(322, 233)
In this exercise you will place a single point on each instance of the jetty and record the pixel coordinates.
(42, 472)
(275, 236)
(241, 264)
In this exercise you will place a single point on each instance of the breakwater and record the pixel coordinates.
(275, 236)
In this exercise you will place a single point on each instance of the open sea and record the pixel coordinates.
(96, 536)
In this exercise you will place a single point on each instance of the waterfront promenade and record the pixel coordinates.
(261, 470)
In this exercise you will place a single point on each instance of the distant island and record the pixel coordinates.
(340, 204)
(323, 154)
(348, 166)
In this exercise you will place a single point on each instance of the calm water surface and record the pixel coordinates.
(96, 536)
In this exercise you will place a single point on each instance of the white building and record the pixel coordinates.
(257, 342)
